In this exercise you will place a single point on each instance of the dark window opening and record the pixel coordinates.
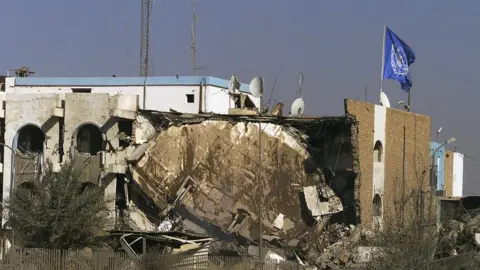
(377, 206)
(82, 90)
(121, 194)
(2, 82)
(89, 140)
(378, 152)
(125, 131)
(30, 139)
(61, 138)
(190, 98)
(237, 101)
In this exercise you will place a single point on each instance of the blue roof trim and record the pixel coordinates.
(124, 81)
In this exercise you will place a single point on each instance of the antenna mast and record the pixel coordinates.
(193, 46)
(145, 37)
(300, 85)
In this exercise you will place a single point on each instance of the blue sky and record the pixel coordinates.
(336, 44)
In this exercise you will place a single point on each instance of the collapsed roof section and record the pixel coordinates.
(204, 168)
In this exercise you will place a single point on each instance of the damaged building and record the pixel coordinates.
(194, 169)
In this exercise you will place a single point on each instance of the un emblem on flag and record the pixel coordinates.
(398, 60)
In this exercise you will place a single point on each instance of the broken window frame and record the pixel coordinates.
(94, 148)
(31, 149)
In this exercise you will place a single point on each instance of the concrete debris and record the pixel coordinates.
(165, 226)
(272, 256)
(322, 200)
(364, 254)
(137, 220)
(278, 223)
(460, 236)
(199, 175)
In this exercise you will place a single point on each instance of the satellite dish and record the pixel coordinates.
(233, 84)
(384, 100)
(298, 107)
(256, 86)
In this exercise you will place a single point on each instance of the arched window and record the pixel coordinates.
(89, 139)
(30, 139)
(377, 206)
(378, 152)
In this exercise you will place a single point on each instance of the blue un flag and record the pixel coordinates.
(398, 56)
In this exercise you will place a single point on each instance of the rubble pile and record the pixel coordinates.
(202, 171)
(459, 236)
(336, 246)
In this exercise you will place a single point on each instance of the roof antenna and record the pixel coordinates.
(193, 46)
(271, 91)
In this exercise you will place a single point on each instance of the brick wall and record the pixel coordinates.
(364, 114)
(448, 174)
(417, 156)
(417, 149)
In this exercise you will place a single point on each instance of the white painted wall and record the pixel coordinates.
(38, 109)
(164, 98)
(27, 109)
(217, 100)
(380, 118)
(457, 175)
(379, 135)
(158, 97)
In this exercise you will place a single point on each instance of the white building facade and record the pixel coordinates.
(185, 94)
(457, 188)
(92, 121)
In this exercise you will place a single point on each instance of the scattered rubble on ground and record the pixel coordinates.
(459, 236)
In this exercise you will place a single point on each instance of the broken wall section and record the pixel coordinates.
(222, 159)
(333, 147)
(94, 129)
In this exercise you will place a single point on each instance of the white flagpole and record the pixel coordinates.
(383, 57)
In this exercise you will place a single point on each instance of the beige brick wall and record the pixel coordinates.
(417, 157)
(417, 149)
(364, 113)
(448, 174)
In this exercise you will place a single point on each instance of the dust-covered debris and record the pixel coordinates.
(459, 236)
(221, 200)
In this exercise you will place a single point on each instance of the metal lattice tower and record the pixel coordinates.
(193, 46)
(145, 37)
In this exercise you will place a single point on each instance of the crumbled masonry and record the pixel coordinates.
(195, 177)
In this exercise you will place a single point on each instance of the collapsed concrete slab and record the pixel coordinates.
(322, 201)
(204, 171)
